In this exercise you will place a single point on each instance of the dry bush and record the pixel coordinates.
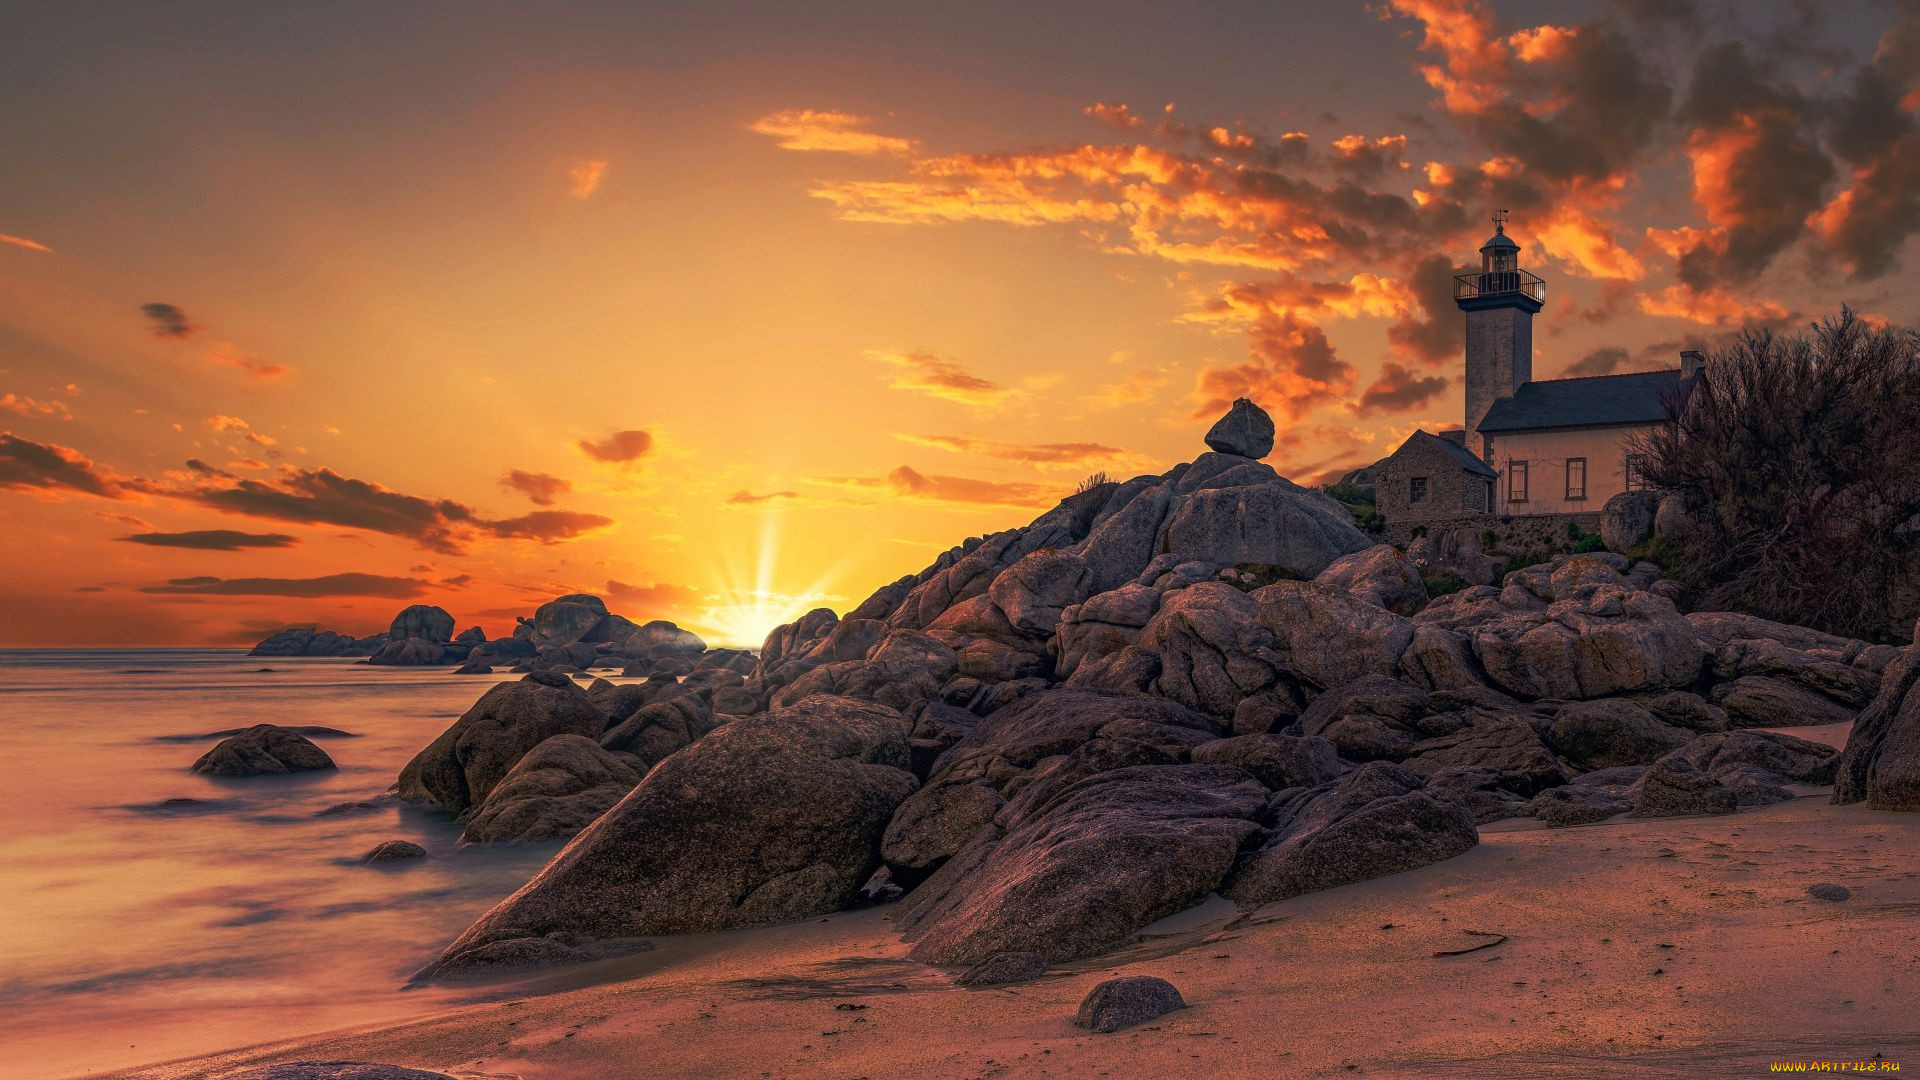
(1799, 462)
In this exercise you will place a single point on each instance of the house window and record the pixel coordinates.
(1576, 478)
(1635, 479)
(1417, 489)
(1516, 481)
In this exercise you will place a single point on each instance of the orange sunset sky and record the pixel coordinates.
(723, 312)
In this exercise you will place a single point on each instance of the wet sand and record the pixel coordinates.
(1676, 947)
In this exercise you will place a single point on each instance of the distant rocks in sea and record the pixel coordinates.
(263, 750)
(307, 641)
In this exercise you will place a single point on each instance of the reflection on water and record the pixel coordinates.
(151, 913)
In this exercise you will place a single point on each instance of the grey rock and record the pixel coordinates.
(1246, 430)
(1578, 804)
(1881, 763)
(1627, 520)
(1089, 865)
(1828, 891)
(1277, 761)
(263, 750)
(394, 851)
(1676, 787)
(560, 787)
(422, 621)
(1763, 701)
(1374, 717)
(1127, 1001)
(1381, 575)
(1505, 744)
(1374, 821)
(769, 818)
(1607, 733)
(410, 652)
(459, 769)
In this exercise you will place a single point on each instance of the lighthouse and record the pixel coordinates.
(1500, 302)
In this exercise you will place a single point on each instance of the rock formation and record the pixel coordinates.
(1205, 681)
(263, 750)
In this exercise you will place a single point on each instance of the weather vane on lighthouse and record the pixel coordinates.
(1499, 221)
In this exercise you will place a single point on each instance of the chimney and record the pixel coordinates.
(1691, 361)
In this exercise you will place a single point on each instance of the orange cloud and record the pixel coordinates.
(1115, 116)
(50, 468)
(584, 178)
(838, 132)
(924, 372)
(1074, 456)
(23, 242)
(1713, 307)
(1398, 390)
(906, 483)
(619, 448)
(27, 406)
(1291, 368)
(540, 488)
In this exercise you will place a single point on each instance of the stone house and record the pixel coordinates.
(1551, 446)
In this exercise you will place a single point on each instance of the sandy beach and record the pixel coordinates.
(1680, 947)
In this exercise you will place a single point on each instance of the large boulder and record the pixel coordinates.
(459, 769)
(1033, 592)
(1602, 641)
(1327, 637)
(1604, 734)
(263, 750)
(1129, 1000)
(411, 652)
(422, 621)
(306, 641)
(771, 818)
(556, 790)
(1381, 575)
(1507, 745)
(1212, 651)
(660, 638)
(1374, 821)
(1677, 787)
(1374, 717)
(1626, 521)
(1090, 866)
(1764, 701)
(567, 619)
(1269, 523)
(1881, 763)
(1246, 430)
(660, 728)
(1277, 761)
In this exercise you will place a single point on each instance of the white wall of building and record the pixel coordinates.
(1547, 455)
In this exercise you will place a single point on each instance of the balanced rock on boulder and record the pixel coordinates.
(263, 750)
(1246, 430)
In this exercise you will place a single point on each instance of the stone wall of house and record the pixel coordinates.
(1512, 535)
(1451, 490)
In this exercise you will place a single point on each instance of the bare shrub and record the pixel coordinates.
(1799, 462)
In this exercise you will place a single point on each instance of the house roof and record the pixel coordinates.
(1453, 450)
(1635, 398)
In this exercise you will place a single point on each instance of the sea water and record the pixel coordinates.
(136, 927)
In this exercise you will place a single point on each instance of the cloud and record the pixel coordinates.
(540, 488)
(649, 599)
(25, 464)
(906, 483)
(324, 497)
(621, 447)
(748, 498)
(1291, 367)
(584, 178)
(923, 372)
(1072, 456)
(1134, 388)
(212, 540)
(351, 584)
(1398, 390)
(23, 242)
(225, 424)
(1114, 116)
(30, 407)
(1712, 307)
(168, 321)
(839, 132)
(227, 354)
(1604, 361)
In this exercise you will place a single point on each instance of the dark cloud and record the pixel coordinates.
(1433, 332)
(1397, 390)
(1759, 171)
(1604, 361)
(539, 488)
(167, 321)
(324, 497)
(25, 464)
(213, 540)
(374, 585)
(1875, 134)
(619, 447)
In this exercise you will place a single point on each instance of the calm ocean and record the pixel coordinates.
(133, 931)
